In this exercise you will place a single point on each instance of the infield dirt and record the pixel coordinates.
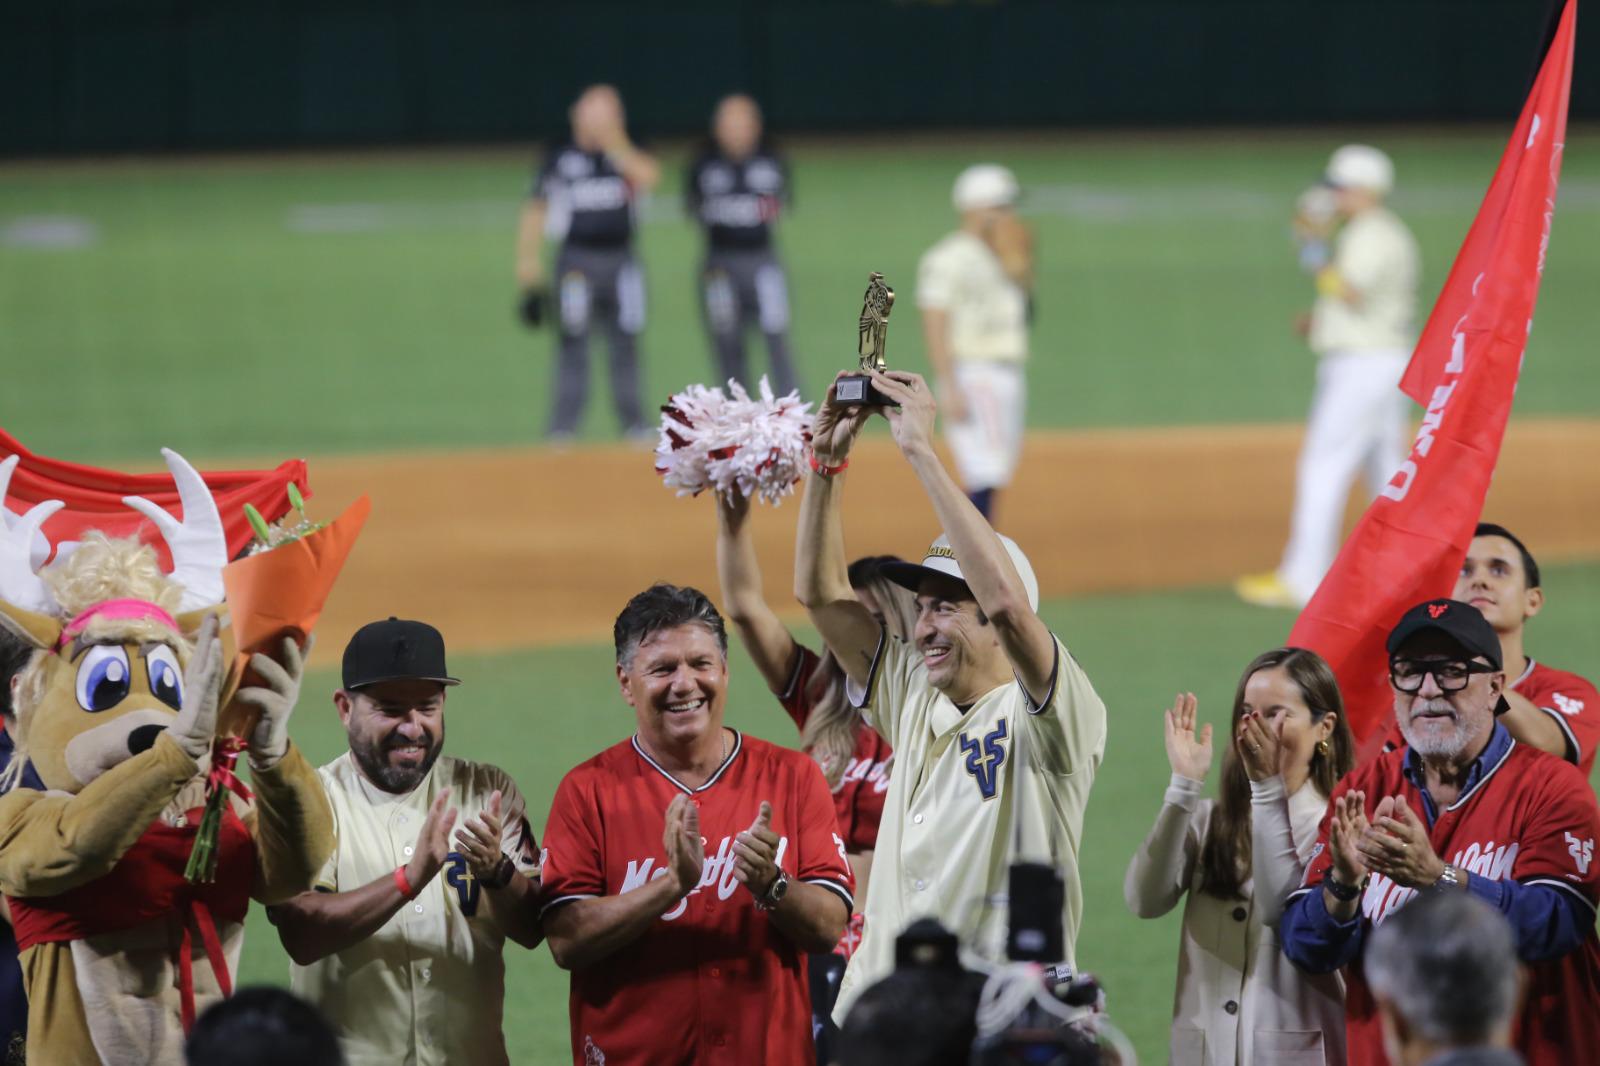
(512, 548)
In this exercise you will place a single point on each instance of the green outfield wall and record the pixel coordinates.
(81, 76)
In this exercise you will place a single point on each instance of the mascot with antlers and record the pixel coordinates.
(117, 721)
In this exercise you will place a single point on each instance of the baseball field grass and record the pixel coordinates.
(255, 308)
(538, 713)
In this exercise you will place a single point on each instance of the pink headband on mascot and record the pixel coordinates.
(128, 609)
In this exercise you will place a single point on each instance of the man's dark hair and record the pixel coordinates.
(263, 1026)
(865, 569)
(913, 1018)
(664, 606)
(15, 654)
(1530, 569)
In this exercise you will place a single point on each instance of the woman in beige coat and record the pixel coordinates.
(1239, 1000)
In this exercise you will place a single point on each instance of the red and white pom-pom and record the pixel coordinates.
(731, 442)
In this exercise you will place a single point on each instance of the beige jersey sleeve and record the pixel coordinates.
(1067, 732)
(888, 686)
(327, 879)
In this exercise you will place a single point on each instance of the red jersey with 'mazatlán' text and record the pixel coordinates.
(1530, 818)
(713, 982)
(858, 802)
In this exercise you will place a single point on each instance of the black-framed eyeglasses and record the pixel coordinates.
(1451, 675)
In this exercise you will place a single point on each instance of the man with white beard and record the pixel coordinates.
(1462, 807)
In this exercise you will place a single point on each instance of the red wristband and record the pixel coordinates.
(826, 471)
(403, 883)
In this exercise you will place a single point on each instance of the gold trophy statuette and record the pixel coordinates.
(872, 335)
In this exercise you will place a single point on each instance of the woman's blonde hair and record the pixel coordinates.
(829, 735)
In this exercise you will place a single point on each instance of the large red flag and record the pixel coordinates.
(93, 496)
(1410, 543)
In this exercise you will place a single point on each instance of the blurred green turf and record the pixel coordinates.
(539, 713)
(297, 306)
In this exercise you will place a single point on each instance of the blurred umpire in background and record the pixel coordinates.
(584, 196)
(735, 189)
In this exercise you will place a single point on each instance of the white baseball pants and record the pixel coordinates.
(1357, 424)
(988, 442)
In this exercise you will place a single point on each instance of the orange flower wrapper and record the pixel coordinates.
(279, 593)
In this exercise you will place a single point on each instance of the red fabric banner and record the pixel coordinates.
(93, 497)
(1409, 545)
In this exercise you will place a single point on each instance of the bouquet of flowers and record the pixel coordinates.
(730, 442)
(277, 589)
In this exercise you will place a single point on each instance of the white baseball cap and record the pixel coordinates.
(985, 185)
(1361, 166)
(941, 561)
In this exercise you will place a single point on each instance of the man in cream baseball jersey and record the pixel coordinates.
(399, 944)
(997, 732)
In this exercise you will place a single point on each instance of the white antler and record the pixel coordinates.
(19, 585)
(198, 543)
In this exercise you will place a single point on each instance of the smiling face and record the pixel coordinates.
(396, 730)
(1446, 725)
(1276, 697)
(677, 684)
(957, 649)
(1494, 581)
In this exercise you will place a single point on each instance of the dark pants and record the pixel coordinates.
(738, 289)
(598, 285)
(824, 973)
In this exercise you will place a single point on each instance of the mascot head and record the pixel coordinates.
(111, 630)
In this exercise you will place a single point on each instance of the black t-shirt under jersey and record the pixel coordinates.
(590, 202)
(737, 201)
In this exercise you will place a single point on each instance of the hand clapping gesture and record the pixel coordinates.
(1396, 845)
(686, 852)
(1345, 832)
(1190, 755)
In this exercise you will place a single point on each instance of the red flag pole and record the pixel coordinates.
(1411, 541)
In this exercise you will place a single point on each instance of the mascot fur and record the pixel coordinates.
(116, 733)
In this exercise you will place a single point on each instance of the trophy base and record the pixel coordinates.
(857, 390)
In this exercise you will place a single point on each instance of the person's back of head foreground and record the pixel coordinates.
(262, 1026)
(912, 1018)
(1444, 972)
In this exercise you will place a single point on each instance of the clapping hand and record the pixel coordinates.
(755, 853)
(479, 842)
(1345, 832)
(1189, 754)
(1396, 845)
(686, 851)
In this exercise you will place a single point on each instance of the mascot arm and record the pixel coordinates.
(51, 843)
(292, 826)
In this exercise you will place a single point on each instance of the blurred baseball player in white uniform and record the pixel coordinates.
(1363, 330)
(972, 290)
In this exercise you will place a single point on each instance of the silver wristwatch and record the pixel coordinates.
(775, 892)
(1452, 877)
